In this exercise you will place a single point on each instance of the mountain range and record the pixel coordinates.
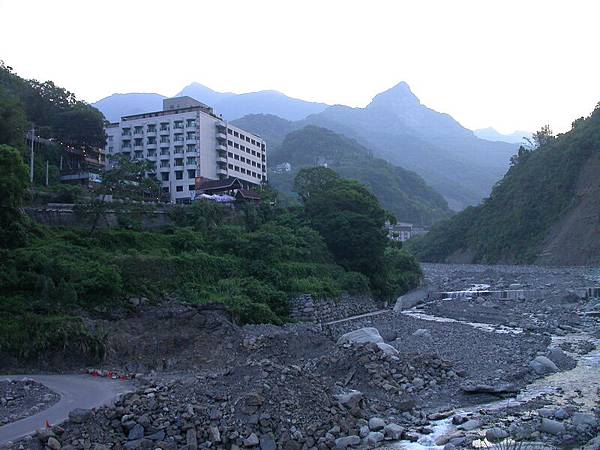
(544, 210)
(402, 192)
(395, 126)
(491, 134)
(231, 106)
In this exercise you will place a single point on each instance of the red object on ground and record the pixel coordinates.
(46, 424)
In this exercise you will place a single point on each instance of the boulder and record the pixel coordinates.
(191, 439)
(550, 426)
(422, 333)
(496, 434)
(470, 425)
(79, 415)
(137, 432)
(361, 336)
(387, 349)
(376, 423)
(561, 359)
(393, 431)
(411, 299)
(251, 441)
(584, 419)
(543, 366)
(374, 437)
(350, 399)
(347, 441)
(267, 442)
(53, 443)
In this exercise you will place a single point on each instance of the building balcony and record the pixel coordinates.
(190, 140)
(221, 146)
(222, 170)
(151, 144)
(151, 133)
(138, 147)
(221, 134)
(164, 131)
(222, 158)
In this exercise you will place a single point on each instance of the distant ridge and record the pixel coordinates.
(231, 106)
(491, 134)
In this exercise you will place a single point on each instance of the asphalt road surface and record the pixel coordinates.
(76, 391)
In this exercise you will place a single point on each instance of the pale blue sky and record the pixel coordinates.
(509, 64)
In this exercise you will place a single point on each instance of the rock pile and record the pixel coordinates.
(260, 405)
(22, 398)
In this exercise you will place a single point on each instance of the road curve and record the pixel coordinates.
(76, 391)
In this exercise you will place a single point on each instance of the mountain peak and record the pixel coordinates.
(398, 96)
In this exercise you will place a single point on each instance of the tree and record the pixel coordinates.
(126, 182)
(314, 179)
(348, 217)
(13, 188)
(542, 136)
(12, 120)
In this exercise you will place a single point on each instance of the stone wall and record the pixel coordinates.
(305, 308)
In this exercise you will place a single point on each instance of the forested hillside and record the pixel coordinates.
(402, 192)
(545, 209)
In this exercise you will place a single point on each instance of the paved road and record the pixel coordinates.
(76, 391)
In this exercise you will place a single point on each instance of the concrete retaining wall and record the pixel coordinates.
(305, 308)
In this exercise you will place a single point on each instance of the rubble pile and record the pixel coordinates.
(371, 369)
(22, 398)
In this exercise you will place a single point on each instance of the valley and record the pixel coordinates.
(426, 377)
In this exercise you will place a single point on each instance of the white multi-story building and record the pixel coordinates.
(187, 140)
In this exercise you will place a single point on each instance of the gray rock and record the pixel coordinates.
(158, 436)
(251, 441)
(53, 443)
(79, 415)
(347, 441)
(422, 333)
(267, 442)
(550, 426)
(562, 414)
(561, 359)
(350, 399)
(543, 366)
(393, 431)
(374, 437)
(132, 445)
(496, 434)
(191, 439)
(376, 423)
(584, 419)
(214, 435)
(137, 432)
(411, 299)
(470, 425)
(387, 349)
(361, 336)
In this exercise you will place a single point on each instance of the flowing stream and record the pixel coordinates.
(579, 385)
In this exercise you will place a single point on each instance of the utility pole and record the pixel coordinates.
(31, 155)
(46, 173)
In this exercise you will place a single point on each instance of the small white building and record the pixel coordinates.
(400, 231)
(187, 140)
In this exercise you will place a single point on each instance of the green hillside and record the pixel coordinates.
(540, 188)
(400, 191)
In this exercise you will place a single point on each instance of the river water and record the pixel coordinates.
(579, 386)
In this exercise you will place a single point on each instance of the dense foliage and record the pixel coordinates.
(252, 259)
(351, 221)
(400, 191)
(535, 193)
(55, 111)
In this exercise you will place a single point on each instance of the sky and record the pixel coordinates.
(507, 64)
